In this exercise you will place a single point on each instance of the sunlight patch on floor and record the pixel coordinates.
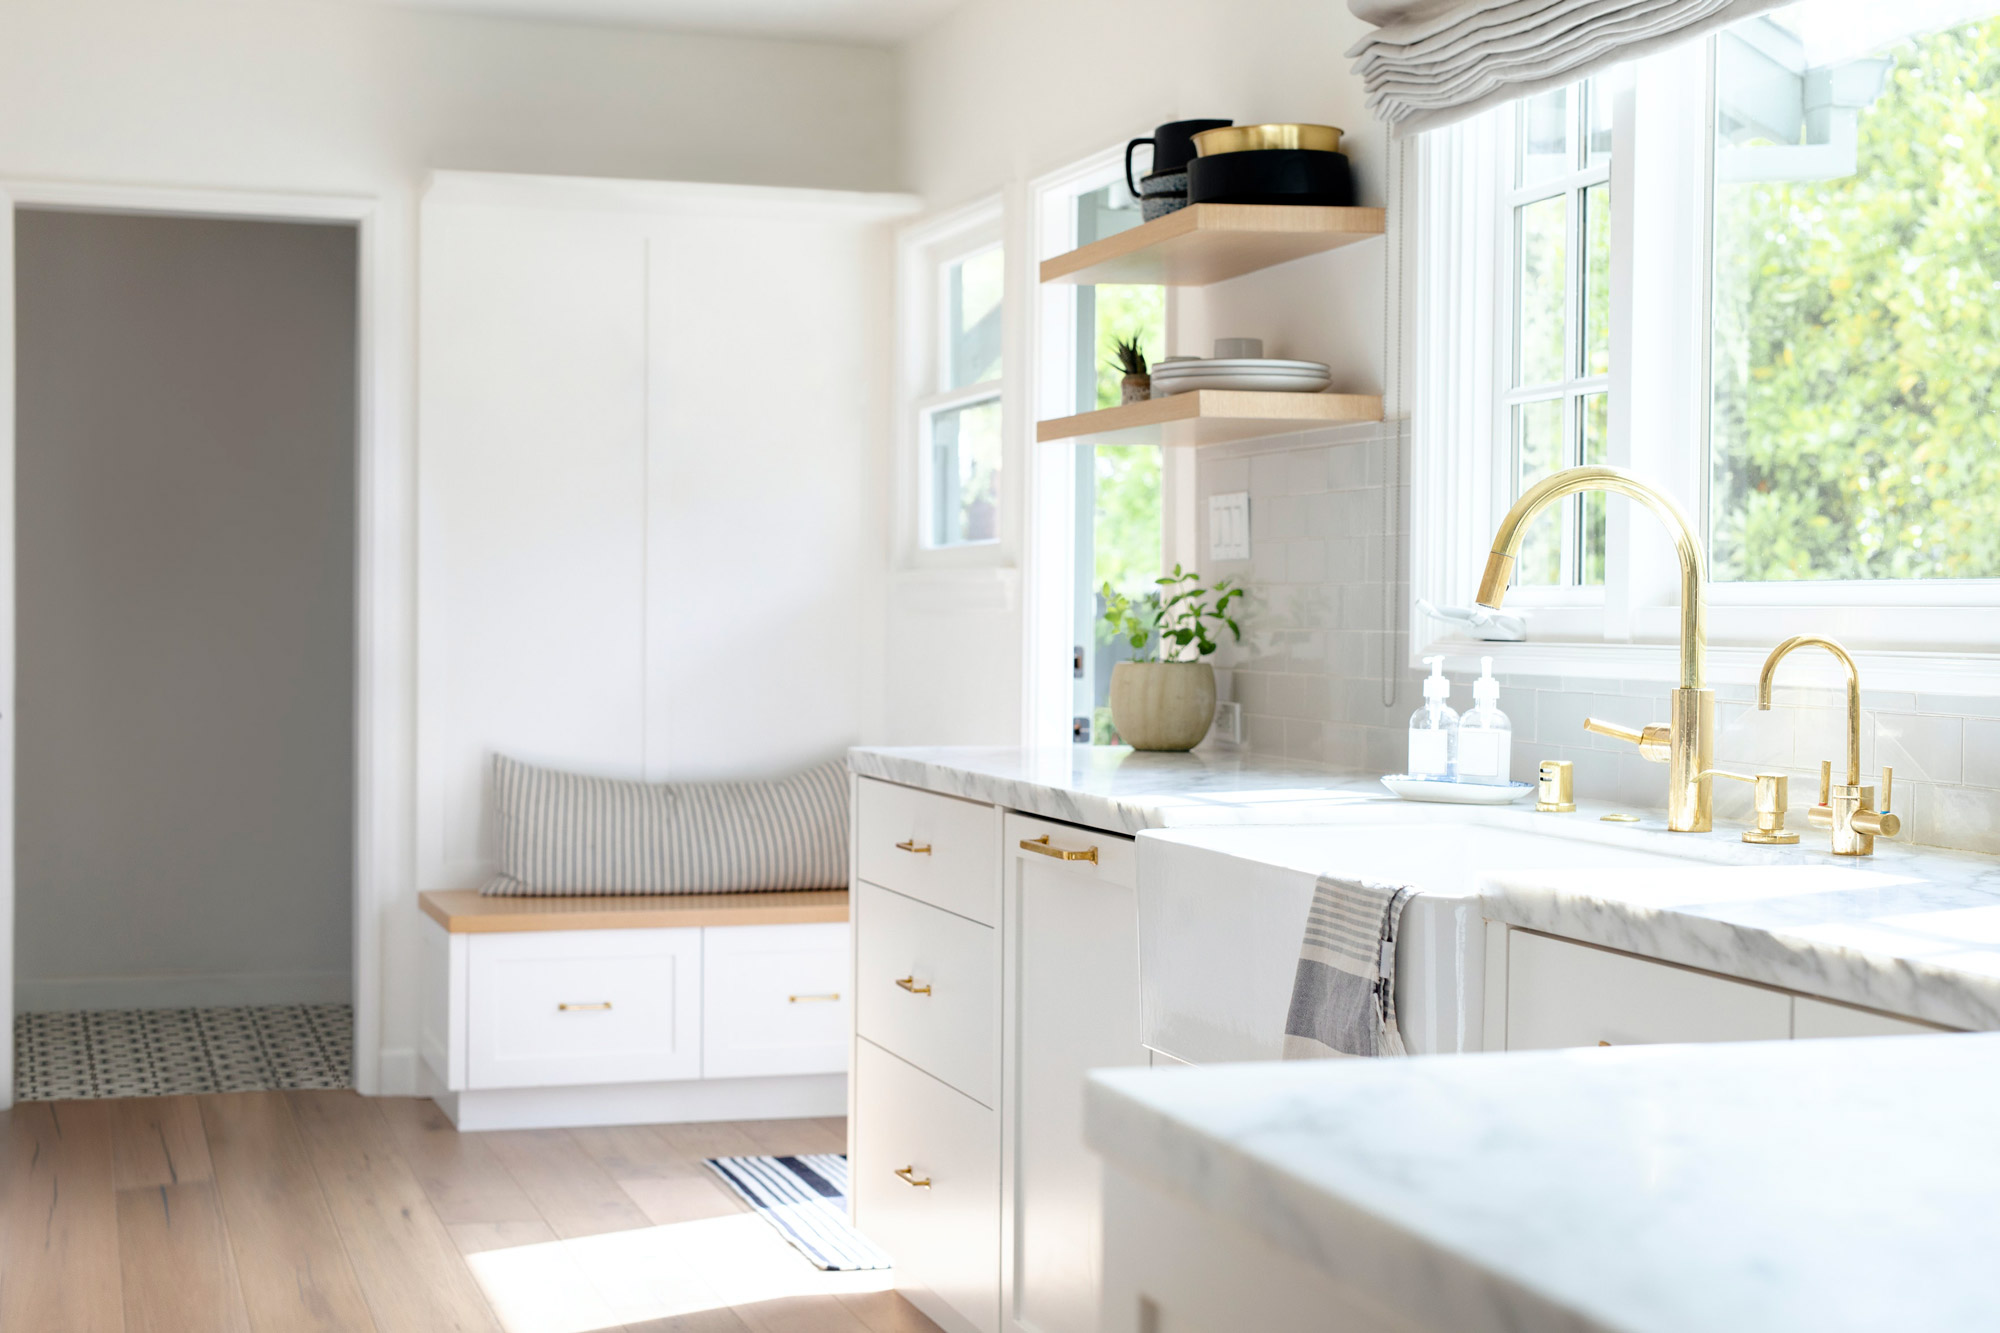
(596, 1282)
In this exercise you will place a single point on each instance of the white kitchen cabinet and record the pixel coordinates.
(1071, 998)
(1561, 993)
(927, 984)
(926, 1186)
(1823, 1018)
(937, 849)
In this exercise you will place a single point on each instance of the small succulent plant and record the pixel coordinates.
(1128, 357)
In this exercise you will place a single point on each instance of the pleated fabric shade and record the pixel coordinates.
(1431, 62)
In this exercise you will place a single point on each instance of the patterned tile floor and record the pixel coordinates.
(164, 1052)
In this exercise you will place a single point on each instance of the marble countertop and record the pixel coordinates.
(1121, 790)
(1909, 930)
(1814, 1185)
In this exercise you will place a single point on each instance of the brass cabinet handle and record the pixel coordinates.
(915, 847)
(910, 984)
(574, 1008)
(1040, 846)
(829, 998)
(908, 1175)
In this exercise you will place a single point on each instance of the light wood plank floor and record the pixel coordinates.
(286, 1211)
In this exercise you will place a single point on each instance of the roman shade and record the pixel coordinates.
(1431, 62)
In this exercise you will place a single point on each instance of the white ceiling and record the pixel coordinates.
(877, 21)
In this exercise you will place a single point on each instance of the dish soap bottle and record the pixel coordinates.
(1434, 728)
(1485, 736)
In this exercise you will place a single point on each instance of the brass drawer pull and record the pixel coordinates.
(910, 984)
(918, 848)
(1041, 847)
(908, 1175)
(575, 1008)
(830, 998)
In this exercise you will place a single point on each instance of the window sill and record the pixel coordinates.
(965, 589)
(1905, 670)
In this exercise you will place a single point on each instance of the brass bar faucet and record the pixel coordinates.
(1848, 808)
(1687, 743)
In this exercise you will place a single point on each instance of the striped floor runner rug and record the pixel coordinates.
(805, 1198)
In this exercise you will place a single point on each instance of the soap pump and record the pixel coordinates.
(1434, 728)
(1485, 736)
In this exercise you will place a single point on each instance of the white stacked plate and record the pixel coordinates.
(1259, 374)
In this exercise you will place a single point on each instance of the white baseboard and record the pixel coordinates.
(398, 1074)
(796, 1097)
(180, 990)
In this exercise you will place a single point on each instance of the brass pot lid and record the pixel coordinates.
(1250, 138)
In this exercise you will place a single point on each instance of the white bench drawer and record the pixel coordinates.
(940, 1219)
(583, 1006)
(937, 849)
(927, 987)
(775, 1000)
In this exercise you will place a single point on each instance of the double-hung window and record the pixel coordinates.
(958, 420)
(1762, 271)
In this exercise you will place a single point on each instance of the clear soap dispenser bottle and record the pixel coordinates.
(1434, 728)
(1485, 736)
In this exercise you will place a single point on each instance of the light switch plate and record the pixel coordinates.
(1229, 722)
(1229, 526)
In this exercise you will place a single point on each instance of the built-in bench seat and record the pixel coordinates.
(541, 1012)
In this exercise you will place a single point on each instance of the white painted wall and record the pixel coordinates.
(650, 486)
(1004, 91)
(360, 100)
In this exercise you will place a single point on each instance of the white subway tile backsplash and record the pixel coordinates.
(1982, 752)
(1921, 746)
(1310, 681)
(1748, 736)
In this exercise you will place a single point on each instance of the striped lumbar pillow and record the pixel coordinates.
(563, 833)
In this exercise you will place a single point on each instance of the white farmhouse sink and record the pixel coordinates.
(1222, 911)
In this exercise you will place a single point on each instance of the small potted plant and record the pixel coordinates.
(1164, 698)
(1130, 362)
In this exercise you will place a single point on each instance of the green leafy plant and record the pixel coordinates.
(1128, 357)
(1179, 621)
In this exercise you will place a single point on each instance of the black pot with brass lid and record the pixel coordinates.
(1270, 164)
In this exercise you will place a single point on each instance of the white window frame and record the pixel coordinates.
(923, 251)
(1910, 635)
(1050, 564)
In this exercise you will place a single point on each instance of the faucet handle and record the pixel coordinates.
(1880, 823)
(1655, 740)
(1773, 799)
(1821, 815)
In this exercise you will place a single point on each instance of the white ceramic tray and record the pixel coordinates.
(1456, 793)
(1182, 364)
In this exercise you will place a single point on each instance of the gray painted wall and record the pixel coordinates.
(185, 471)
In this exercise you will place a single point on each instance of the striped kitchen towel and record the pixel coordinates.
(568, 834)
(1344, 993)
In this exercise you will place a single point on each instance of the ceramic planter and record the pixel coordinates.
(1135, 389)
(1162, 705)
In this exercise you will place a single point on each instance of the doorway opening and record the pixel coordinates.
(184, 750)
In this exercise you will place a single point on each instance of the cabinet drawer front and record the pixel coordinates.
(945, 1236)
(1108, 858)
(937, 849)
(774, 1000)
(1823, 1018)
(927, 987)
(583, 1006)
(1564, 994)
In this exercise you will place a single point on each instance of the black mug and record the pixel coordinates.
(1173, 147)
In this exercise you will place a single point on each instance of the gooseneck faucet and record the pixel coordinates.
(1687, 743)
(1848, 808)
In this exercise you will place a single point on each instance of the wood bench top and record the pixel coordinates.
(467, 912)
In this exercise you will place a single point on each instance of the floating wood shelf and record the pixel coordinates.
(1215, 416)
(1206, 243)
